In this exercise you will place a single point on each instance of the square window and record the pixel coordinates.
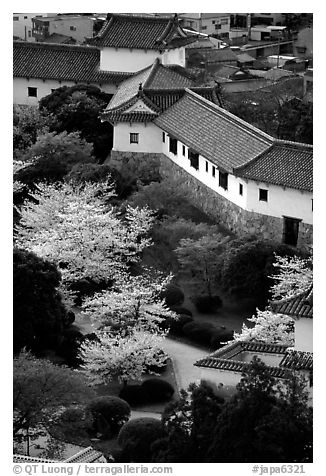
(263, 195)
(73, 28)
(204, 27)
(134, 138)
(183, 150)
(240, 189)
(206, 166)
(25, 17)
(163, 136)
(223, 180)
(213, 170)
(173, 146)
(16, 18)
(213, 22)
(32, 92)
(29, 33)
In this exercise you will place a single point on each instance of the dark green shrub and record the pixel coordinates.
(158, 390)
(69, 346)
(109, 414)
(175, 325)
(86, 287)
(220, 337)
(207, 303)
(136, 438)
(134, 394)
(173, 295)
(181, 310)
(200, 332)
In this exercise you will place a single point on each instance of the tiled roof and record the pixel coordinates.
(297, 360)
(225, 71)
(220, 55)
(287, 164)
(58, 38)
(226, 357)
(137, 31)
(213, 132)
(61, 62)
(88, 455)
(31, 459)
(154, 77)
(297, 306)
(245, 58)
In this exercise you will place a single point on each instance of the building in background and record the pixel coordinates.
(23, 25)
(77, 26)
(209, 23)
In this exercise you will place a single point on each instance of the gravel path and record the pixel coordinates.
(184, 356)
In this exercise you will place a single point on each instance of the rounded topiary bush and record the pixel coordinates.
(175, 326)
(109, 414)
(136, 438)
(158, 390)
(200, 332)
(181, 310)
(173, 295)
(207, 303)
(69, 346)
(134, 394)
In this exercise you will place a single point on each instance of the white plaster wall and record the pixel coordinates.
(304, 334)
(24, 26)
(210, 27)
(206, 177)
(127, 60)
(20, 90)
(217, 376)
(175, 56)
(288, 202)
(150, 137)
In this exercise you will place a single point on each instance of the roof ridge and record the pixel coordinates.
(154, 67)
(250, 128)
(40, 44)
(293, 143)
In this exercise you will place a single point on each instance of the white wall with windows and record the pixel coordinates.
(149, 137)
(280, 201)
(43, 88)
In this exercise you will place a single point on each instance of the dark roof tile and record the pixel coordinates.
(61, 62)
(213, 132)
(138, 31)
(297, 360)
(297, 306)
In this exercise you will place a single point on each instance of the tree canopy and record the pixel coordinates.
(38, 312)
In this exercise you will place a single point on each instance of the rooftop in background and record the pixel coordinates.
(86, 455)
(140, 31)
(61, 62)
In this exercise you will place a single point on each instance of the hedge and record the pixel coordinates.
(109, 414)
(158, 390)
(136, 438)
(173, 295)
(134, 394)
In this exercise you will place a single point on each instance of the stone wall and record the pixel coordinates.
(222, 211)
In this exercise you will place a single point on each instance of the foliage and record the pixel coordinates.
(172, 295)
(247, 265)
(52, 157)
(189, 423)
(136, 438)
(174, 326)
(69, 347)
(131, 172)
(293, 275)
(181, 310)
(277, 110)
(41, 388)
(73, 226)
(39, 315)
(77, 109)
(207, 303)
(200, 261)
(109, 414)
(269, 327)
(276, 424)
(89, 172)
(158, 389)
(206, 334)
(167, 197)
(135, 304)
(134, 394)
(29, 123)
(121, 357)
(73, 424)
